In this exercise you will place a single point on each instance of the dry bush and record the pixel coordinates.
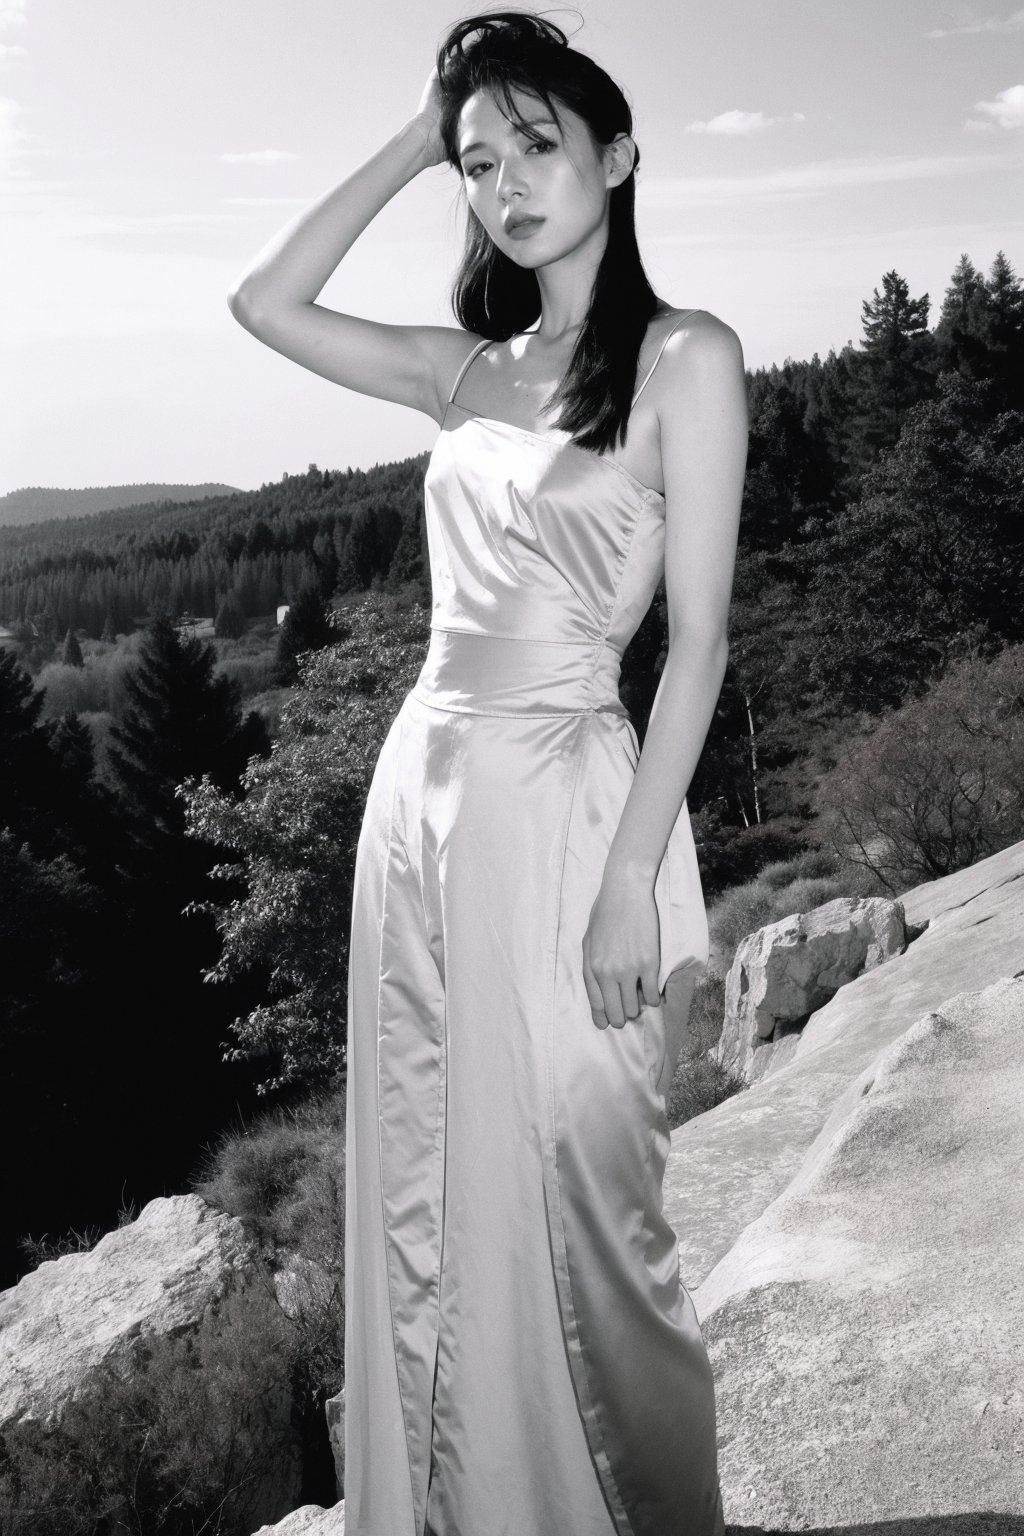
(284, 1178)
(939, 783)
(699, 1083)
(192, 1436)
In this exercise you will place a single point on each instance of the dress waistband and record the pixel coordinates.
(494, 675)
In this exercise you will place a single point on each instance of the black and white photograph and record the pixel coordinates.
(511, 768)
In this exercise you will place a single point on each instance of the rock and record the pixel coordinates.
(310, 1520)
(158, 1275)
(335, 1410)
(728, 1164)
(786, 970)
(864, 1330)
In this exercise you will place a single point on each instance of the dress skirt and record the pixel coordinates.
(521, 1356)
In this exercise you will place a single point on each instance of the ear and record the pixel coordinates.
(618, 159)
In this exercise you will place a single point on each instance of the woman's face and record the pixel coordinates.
(562, 182)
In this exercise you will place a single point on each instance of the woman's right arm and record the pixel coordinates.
(275, 296)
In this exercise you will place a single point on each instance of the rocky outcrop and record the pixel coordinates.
(851, 1229)
(157, 1275)
(310, 1520)
(786, 970)
(865, 1331)
(727, 1165)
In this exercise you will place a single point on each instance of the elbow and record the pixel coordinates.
(244, 306)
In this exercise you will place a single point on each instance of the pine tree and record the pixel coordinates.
(26, 765)
(181, 721)
(72, 653)
(892, 369)
(1006, 333)
(408, 563)
(307, 627)
(229, 623)
(961, 334)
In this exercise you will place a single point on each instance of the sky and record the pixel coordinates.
(792, 151)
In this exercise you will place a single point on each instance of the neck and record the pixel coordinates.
(566, 289)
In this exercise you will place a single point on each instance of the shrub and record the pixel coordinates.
(191, 1434)
(937, 784)
(699, 1083)
(728, 855)
(284, 1177)
(252, 674)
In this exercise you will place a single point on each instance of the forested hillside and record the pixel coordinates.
(39, 503)
(873, 704)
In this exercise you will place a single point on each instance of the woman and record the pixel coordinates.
(521, 1355)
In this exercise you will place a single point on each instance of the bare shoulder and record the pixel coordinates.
(701, 364)
(701, 336)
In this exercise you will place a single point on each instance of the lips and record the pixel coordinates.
(517, 229)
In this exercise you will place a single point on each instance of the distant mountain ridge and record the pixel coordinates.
(40, 504)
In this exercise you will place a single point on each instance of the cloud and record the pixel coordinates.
(813, 179)
(12, 51)
(1011, 23)
(733, 123)
(12, 13)
(258, 157)
(1007, 111)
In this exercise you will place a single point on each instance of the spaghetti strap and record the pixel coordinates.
(463, 370)
(685, 316)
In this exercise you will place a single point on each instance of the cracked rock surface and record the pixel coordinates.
(727, 1165)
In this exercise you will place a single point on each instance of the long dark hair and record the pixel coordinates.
(518, 51)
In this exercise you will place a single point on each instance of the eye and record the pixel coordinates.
(543, 145)
(480, 166)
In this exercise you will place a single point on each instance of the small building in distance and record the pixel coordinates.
(8, 639)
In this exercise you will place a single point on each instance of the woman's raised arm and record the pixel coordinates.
(275, 297)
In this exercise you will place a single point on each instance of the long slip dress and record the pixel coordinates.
(521, 1355)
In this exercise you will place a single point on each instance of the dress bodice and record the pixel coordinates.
(534, 538)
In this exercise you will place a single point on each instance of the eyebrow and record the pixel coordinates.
(528, 122)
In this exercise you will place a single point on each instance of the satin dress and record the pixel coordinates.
(521, 1355)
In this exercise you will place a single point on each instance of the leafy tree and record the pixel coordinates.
(229, 623)
(937, 784)
(294, 837)
(893, 368)
(71, 655)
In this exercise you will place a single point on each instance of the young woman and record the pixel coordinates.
(521, 1353)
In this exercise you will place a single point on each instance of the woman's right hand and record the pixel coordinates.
(428, 120)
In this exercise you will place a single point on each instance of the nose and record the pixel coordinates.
(510, 181)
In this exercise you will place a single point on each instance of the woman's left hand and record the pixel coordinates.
(621, 952)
